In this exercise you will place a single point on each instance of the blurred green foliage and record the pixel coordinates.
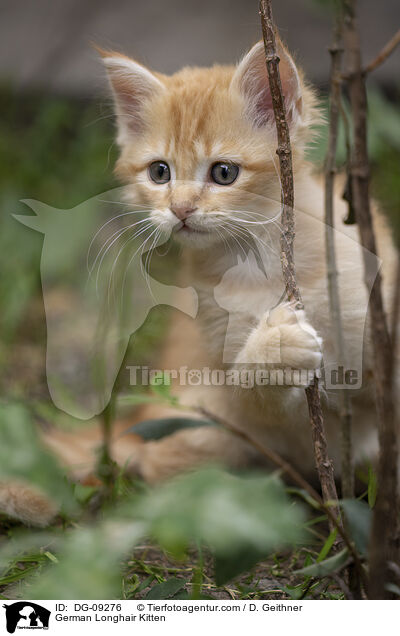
(229, 515)
(51, 149)
(224, 511)
(88, 564)
(57, 150)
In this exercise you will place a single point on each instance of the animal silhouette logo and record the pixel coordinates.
(26, 615)
(97, 292)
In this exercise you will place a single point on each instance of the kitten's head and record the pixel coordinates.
(199, 146)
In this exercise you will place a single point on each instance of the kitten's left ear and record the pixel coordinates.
(251, 80)
(133, 86)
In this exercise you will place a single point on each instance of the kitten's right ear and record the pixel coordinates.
(132, 85)
(251, 80)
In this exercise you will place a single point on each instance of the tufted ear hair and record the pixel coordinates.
(132, 86)
(251, 80)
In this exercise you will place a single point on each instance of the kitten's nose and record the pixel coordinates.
(182, 210)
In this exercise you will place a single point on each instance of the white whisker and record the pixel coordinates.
(104, 225)
(242, 236)
(225, 242)
(251, 214)
(148, 262)
(231, 234)
(118, 233)
(140, 248)
(268, 246)
(131, 238)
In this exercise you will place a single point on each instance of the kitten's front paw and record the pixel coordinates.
(283, 338)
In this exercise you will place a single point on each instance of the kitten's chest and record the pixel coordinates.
(233, 296)
(225, 320)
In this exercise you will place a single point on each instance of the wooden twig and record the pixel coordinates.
(329, 509)
(380, 58)
(395, 318)
(383, 536)
(384, 54)
(345, 414)
(323, 463)
(345, 411)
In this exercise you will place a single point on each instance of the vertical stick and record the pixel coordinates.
(347, 473)
(395, 317)
(383, 537)
(345, 411)
(284, 152)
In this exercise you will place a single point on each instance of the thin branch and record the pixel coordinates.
(346, 127)
(284, 151)
(395, 318)
(383, 536)
(384, 54)
(345, 412)
(329, 509)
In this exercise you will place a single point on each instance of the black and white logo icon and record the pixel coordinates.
(26, 615)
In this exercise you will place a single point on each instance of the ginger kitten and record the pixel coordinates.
(199, 148)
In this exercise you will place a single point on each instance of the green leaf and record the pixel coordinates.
(372, 487)
(359, 518)
(227, 568)
(333, 564)
(23, 541)
(226, 512)
(303, 494)
(159, 428)
(326, 548)
(295, 592)
(89, 563)
(165, 590)
(84, 493)
(198, 576)
(146, 583)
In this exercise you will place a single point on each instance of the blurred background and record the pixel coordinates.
(44, 44)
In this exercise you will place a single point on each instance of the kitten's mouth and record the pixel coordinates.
(183, 228)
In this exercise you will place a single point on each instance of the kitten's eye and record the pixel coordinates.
(159, 172)
(224, 173)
